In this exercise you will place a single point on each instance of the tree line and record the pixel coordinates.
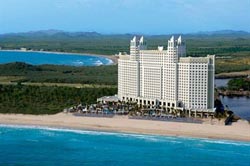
(104, 75)
(46, 100)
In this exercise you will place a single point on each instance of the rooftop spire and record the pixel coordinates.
(179, 40)
(134, 39)
(141, 39)
(172, 39)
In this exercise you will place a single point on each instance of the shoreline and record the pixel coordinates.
(239, 131)
(67, 129)
(234, 93)
(231, 75)
(113, 58)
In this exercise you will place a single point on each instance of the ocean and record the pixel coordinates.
(40, 58)
(35, 146)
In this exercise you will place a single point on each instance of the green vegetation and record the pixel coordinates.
(232, 50)
(100, 44)
(239, 84)
(235, 64)
(53, 89)
(197, 45)
(46, 100)
(101, 75)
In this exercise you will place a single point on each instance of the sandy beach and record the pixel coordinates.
(237, 131)
(111, 57)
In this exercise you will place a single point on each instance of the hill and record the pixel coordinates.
(221, 43)
(232, 48)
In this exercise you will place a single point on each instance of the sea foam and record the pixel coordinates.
(98, 63)
(110, 62)
(151, 138)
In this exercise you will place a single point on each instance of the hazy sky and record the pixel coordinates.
(125, 16)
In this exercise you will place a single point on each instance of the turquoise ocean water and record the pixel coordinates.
(39, 58)
(34, 146)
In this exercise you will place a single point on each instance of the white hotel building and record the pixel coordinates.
(166, 77)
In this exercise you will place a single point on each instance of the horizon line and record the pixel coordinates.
(124, 33)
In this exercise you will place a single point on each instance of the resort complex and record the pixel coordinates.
(166, 78)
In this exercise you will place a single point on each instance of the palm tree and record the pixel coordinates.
(172, 110)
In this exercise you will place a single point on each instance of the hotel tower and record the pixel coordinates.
(166, 77)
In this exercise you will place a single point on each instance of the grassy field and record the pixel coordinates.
(232, 65)
(238, 74)
(10, 79)
(17, 80)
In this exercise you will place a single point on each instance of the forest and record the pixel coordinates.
(46, 100)
(42, 99)
(239, 84)
(101, 75)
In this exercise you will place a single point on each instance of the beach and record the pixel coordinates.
(239, 131)
(111, 57)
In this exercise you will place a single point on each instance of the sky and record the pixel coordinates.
(124, 16)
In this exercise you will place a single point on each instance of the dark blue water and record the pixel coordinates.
(39, 58)
(38, 146)
(239, 105)
(221, 82)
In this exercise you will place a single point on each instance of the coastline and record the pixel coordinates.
(113, 58)
(234, 93)
(239, 131)
(238, 74)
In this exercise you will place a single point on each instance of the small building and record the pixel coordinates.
(106, 99)
(23, 49)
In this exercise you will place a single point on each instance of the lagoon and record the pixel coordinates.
(40, 58)
(239, 105)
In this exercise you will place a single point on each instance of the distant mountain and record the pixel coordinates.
(51, 33)
(222, 32)
(45, 32)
